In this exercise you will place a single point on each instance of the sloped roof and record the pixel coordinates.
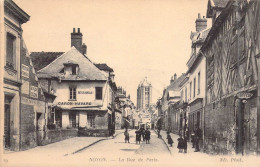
(174, 86)
(42, 59)
(104, 67)
(199, 36)
(87, 70)
(219, 3)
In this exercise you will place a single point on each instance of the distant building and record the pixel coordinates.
(171, 96)
(144, 94)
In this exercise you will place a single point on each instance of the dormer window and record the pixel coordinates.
(74, 70)
(71, 68)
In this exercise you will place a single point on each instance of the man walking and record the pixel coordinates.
(198, 134)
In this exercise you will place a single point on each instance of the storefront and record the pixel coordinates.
(194, 111)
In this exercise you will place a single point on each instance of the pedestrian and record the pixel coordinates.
(138, 136)
(170, 141)
(198, 134)
(142, 130)
(193, 140)
(180, 144)
(159, 127)
(185, 141)
(126, 136)
(147, 136)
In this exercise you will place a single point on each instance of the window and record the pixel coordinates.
(185, 94)
(72, 93)
(98, 93)
(91, 120)
(198, 83)
(10, 51)
(74, 70)
(190, 89)
(194, 87)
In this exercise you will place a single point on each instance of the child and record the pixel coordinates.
(180, 144)
(170, 141)
(147, 136)
(126, 136)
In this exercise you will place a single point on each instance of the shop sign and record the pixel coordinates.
(25, 71)
(85, 92)
(244, 95)
(27, 101)
(34, 91)
(72, 103)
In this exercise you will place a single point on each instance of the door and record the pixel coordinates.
(38, 128)
(7, 123)
(239, 110)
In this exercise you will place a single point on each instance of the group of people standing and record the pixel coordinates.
(145, 134)
(140, 133)
(183, 140)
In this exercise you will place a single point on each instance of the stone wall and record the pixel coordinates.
(55, 135)
(219, 126)
(94, 132)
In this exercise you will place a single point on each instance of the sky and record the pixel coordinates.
(137, 38)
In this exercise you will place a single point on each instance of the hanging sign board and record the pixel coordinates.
(244, 95)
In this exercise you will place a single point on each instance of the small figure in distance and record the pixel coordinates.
(126, 136)
(180, 144)
(170, 141)
(138, 136)
(147, 136)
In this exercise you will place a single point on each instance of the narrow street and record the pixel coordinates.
(118, 152)
(119, 147)
(113, 150)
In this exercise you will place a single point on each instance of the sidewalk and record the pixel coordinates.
(175, 151)
(61, 148)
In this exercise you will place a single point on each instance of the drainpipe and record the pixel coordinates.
(258, 104)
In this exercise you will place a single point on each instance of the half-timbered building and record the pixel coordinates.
(231, 48)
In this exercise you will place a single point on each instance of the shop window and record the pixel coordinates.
(58, 118)
(91, 120)
(72, 93)
(198, 119)
(98, 93)
(10, 51)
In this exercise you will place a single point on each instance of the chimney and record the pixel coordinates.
(201, 23)
(84, 49)
(76, 39)
(173, 78)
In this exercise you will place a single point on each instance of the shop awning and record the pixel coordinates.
(82, 109)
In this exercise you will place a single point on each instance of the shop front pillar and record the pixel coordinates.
(65, 119)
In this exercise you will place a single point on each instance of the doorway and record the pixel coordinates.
(7, 121)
